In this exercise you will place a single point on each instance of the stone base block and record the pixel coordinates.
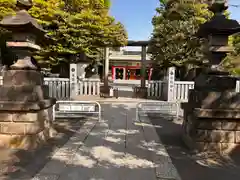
(214, 147)
(22, 77)
(21, 106)
(26, 142)
(215, 136)
(214, 130)
(214, 99)
(24, 93)
(27, 117)
(215, 82)
(25, 130)
(21, 128)
(217, 113)
(25, 123)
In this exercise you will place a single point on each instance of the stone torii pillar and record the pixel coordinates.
(106, 66)
(141, 92)
(143, 66)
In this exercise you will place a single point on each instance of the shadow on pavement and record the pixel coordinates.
(113, 150)
(23, 164)
(190, 165)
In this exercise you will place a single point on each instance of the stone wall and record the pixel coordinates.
(216, 134)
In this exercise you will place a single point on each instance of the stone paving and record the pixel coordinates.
(116, 148)
(192, 165)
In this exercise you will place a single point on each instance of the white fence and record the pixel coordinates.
(88, 87)
(155, 88)
(238, 86)
(181, 90)
(59, 88)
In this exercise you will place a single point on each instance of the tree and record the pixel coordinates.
(85, 28)
(6, 7)
(232, 61)
(91, 28)
(173, 41)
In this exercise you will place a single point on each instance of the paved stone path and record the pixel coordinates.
(116, 148)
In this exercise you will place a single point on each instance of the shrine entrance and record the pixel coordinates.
(119, 73)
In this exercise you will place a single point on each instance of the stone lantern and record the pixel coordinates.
(25, 108)
(212, 114)
(217, 31)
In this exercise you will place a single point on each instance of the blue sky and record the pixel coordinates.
(136, 15)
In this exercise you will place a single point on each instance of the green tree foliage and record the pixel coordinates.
(75, 26)
(6, 7)
(232, 61)
(173, 41)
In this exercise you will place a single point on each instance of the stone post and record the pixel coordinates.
(143, 66)
(170, 83)
(73, 80)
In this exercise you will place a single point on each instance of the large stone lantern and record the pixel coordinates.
(212, 114)
(25, 108)
(217, 31)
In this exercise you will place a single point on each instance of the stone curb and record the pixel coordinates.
(129, 101)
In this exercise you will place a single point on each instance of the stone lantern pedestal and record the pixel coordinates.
(25, 108)
(212, 114)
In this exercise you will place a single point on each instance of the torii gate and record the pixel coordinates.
(143, 45)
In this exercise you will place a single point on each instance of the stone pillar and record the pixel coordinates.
(141, 92)
(143, 66)
(106, 66)
(104, 90)
(73, 80)
(170, 84)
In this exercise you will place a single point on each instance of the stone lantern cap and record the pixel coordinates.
(217, 6)
(219, 25)
(22, 22)
(24, 4)
(25, 29)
